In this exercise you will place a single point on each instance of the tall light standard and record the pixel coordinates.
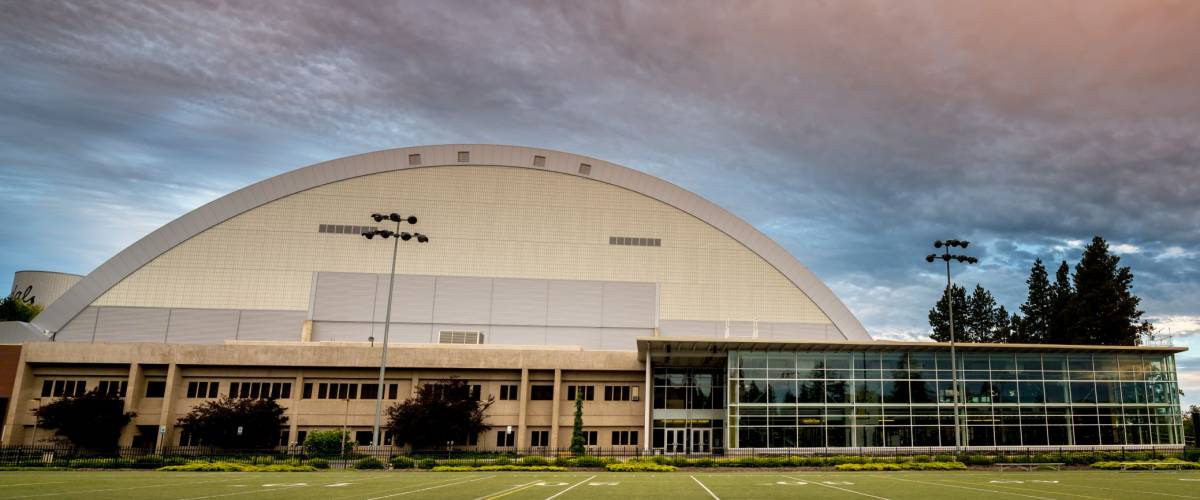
(387, 320)
(965, 259)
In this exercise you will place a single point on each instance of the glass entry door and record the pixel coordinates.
(701, 440)
(676, 441)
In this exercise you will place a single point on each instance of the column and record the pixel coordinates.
(166, 418)
(648, 391)
(555, 411)
(294, 410)
(133, 396)
(13, 428)
(523, 401)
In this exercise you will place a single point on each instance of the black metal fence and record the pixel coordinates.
(66, 456)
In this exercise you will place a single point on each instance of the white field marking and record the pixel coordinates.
(602, 484)
(385, 476)
(337, 485)
(34, 484)
(409, 492)
(840, 488)
(249, 492)
(273, 485)
(116, 489)
(1180, 480)
(1005, 484)
(1131, 491)
(965, 487)
(507, 491)
(788, 483)
(714, 495)
(844, 483)
(552, 497)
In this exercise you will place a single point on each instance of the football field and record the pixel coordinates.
(758, 484)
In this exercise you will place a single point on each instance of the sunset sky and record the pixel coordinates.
(854, 133)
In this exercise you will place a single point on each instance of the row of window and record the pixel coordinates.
(901, 391)
(897, 362)
(539, 392)
(928, 436)
(333, 390)
(505, 439)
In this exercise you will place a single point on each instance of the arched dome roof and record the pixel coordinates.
(129, 260)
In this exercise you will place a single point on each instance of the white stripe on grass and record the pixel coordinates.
(509, 491)
(101, 490)
(556, 495)
(818, 483)
(714, 495)
(402, 493)
(965, 487)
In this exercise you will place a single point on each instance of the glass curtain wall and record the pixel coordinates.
(902, 399)
(695, 396)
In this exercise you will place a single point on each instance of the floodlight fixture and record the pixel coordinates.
(946, 257)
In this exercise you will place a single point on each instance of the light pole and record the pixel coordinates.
(965, 259)
(387, 320)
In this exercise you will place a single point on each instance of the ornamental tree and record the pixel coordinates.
(216, 423)
(439, 413)
(93, 420)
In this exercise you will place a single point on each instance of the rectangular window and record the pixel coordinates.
(541, 393)
(353, 394)
(476, 392)
(624, 438)
(508, 392)
(322, 391)
(192, 388)
(414, 159)
(308, 390)
(156, 388)
(617, 393)
(504, 438)
(585, 169)
(464, 156)
(113, 388)
(588, 391)
(539, 161)
(233, 389)
(363, 438)
(286, 393)
(539, 438)
(47, 388)
(393, 391)
(370, 391)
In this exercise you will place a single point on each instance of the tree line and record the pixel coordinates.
(1092, 305)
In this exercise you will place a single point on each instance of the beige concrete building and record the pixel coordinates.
(546, 273)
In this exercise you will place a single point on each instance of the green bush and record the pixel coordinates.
(636, 466)
(588, 461)
(534, 460)
(205, 466)
(1144, 465)
(495, 468)
(880, 466)
(327, 443)
(369, 463)
(427, 463)
(502, 460)
(977, 459)
(319, 463)
(401, 462)
(564, 462)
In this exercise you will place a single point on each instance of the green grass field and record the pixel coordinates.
(604, 485)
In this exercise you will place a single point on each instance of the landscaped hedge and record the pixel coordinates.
(497, 468)
(877, 466)
(402, 463)
(1145, 465)
(638, 466)
(369, 463)
(205, 466)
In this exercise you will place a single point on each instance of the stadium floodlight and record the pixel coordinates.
(387, 321)
(946, 257)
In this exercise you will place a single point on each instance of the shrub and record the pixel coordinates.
(534, 460)
(205, 466)
(880, 466)
(502, 460)
(327, 443)
(1144, 465)
(587, 461)
(704, 462)
(564, 462)
(495, 468)
(369, 463)
(634, 466)
(401, 462)
(319, 463)
(427, 463)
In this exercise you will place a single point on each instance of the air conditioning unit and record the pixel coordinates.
(460, 337)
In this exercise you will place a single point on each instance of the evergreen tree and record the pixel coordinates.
(981, 316)
(1103, 309)
(578, 441)
(1060, 299)
(1002, 331)
(939, 316)
(1038, 307)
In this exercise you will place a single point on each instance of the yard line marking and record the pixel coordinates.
(117, 489)
(968, 488)
(552, 497)
(249, 492)
(509, 491)
(430, 488)
(714, 495)
(35, 484)
(384, 476)
(818, 483)
(1028, 489)
(1131, 491)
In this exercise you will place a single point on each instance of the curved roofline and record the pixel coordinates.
(132, 258)
(47, 272)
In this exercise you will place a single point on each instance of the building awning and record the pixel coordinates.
(700, 349)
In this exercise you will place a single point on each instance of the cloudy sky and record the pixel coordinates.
(854, 133)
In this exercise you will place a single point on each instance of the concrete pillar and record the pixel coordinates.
(416, 384)
(294, 409)
(13, 430)
(133, 396)
(523, 403)
(648, 396)
(167, 417)
(556, 409)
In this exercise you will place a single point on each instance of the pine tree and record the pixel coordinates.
(939, 317)
(1002, 331)
(981, 316)
(1038, 306)
(1103, 309)
(1060, 299)
(578, 441)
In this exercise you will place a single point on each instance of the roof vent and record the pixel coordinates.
(539, 161)
(454, 337)
(585, 169)
(464, 156)
(414, 159)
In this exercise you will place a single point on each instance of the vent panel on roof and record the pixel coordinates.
(464, 156)
(634, 242)
(344, 229)
(539, 161)
(414, 159)
(458, 337)
(585, 169)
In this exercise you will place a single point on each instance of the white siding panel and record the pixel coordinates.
(740, 329)
(344, 297)
(576, 303)
(202, 326)
(629, 305)
(403, 333)
(412, 299)
(588, 338)
(622, 339)
(519, 302)
(79, 329)
(517, 335)
(463, 300)
(690, 328)
(804, 331)
(132, 324)
(271, 325)
(324, 331)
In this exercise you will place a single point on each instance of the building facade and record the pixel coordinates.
(547, 274)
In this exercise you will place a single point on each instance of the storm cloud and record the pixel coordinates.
(854, 133)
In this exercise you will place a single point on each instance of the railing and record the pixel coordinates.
(66, 456)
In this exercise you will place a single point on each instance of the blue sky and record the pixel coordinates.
(854, 133)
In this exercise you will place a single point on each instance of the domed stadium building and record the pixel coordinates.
(545, 275)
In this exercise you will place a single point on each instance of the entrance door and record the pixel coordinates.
(676, 441)
(701, 440)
